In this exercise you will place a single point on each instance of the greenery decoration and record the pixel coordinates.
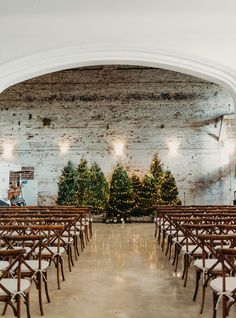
(67, 185)
(137, 186)
(82, 183)
(121, 196)
(168, 190)
(98, 189)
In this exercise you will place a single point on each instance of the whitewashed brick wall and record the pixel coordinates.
(91, 108)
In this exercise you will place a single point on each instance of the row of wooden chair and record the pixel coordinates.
(30, 241)
(205, 237)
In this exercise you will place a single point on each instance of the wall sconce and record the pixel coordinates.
(64, 147)
(229, 146)
(119, 148)
(173, 146)
(7, 150)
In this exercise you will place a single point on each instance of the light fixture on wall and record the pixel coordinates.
(227, 149)
(64, 146)
(7, 150)
(173, 146)
(119, 148)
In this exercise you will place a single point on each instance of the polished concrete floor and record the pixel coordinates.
(121, 274)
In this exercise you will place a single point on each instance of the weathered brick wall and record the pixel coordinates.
(91, 108)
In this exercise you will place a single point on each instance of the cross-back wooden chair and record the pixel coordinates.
(35, 269)
(49, 250)
(13, 289)
(224, 287)
(208, 265)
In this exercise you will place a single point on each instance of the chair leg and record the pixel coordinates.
(69, 258)
(159, 235)
(18, 306)
(74, 246)
(168, 244)
(58, 271)
(77, 246)
(175, 253)
(91, 229)
(203, 294)
(4, 309)
(177, 257)
(62, 268)
(82, 241)
(155, 233)
(12, 306)
(186, 270)
(215, 298)
(224, 304)
(27, 306)
(163, 240)
(198, 276)
(171, 244)
(39, 280)
(46, 287)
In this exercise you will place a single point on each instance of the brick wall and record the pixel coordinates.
(87, 110)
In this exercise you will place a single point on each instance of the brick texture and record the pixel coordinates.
(87, 110)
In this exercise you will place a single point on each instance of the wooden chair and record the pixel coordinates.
(224, 288)
(14, 289)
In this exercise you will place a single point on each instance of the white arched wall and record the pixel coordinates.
(70, 57)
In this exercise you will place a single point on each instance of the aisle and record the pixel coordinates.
(121, 274)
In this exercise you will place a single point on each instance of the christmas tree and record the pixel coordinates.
(156, 168)
(82, 183)
(137, 209)
(67, 185)
(98, 189)
(121, 196)
(149, 195)
(168, 190)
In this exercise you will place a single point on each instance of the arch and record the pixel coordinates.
(70, 57)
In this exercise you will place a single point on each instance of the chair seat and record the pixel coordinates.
(72, 233)
(54, 250)
(208, 264)
(11, 285)
(224, 246)
(230, 284)
(191, 249)
(63, 240)
(34, 264)
(3, 265)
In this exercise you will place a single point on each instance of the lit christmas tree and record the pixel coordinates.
(168, 190)
(67, 185)
(149, 195)
(137, 209)
(82, 183)
(98, 189)
(121, 196)
(156, 168)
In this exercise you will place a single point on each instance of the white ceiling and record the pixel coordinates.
(33, 32)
